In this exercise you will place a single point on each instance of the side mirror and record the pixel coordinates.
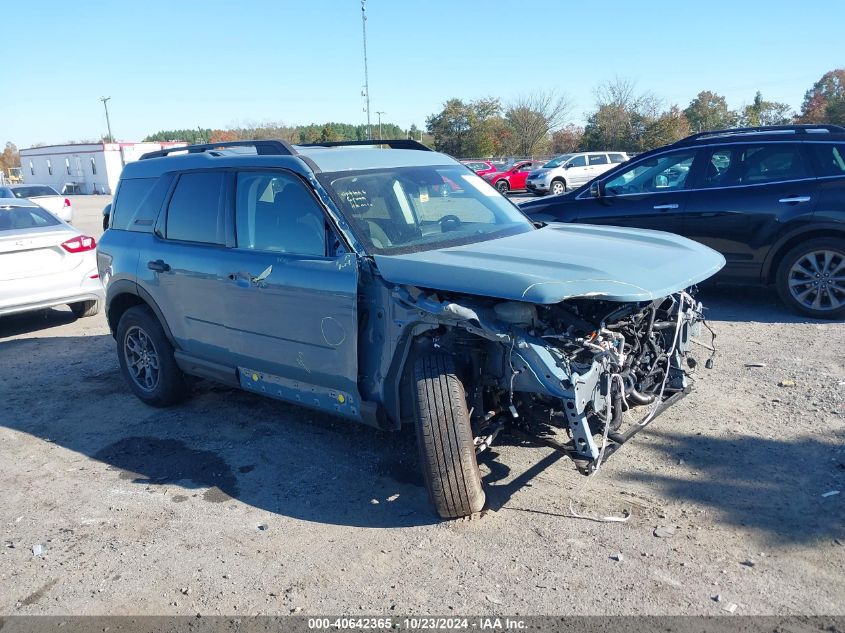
(567, 165)
(106, 214)
(595, 189)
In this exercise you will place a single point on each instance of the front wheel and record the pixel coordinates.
(445, 439)
(558, 187)
(811, 278)
(503, 186)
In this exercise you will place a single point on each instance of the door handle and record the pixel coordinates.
(665, 207)
(159, 266)
(794, 199)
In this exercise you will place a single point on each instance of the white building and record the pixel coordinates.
(82, 168)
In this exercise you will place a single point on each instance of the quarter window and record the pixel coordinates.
(753, 164)
(616, 158)
(275, 212)
(130, 194)
(831, 158)
(194, 211)
(667, 172)
(598, 159)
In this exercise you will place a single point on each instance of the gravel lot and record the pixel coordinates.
(234, 504)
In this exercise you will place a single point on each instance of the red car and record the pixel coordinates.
(513, 178)
(480, 167)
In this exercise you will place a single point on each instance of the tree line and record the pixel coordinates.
(623, 119)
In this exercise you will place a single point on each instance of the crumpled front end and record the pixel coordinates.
(583, 375)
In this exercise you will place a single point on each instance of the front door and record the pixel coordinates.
(292, 306)
(649, 194)
(576, 172)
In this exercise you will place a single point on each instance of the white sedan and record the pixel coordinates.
(43, 196)
(45, 262)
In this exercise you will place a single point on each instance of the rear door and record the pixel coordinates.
(650, 194)
(183, 266)
(597, 164)
(292, 303)
(746, 194)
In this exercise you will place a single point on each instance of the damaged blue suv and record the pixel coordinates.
(388, 284)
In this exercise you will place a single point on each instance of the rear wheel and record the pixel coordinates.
(811, 278)
(82, 309)
(558, 187)
(146, 359)
(445, 439)
(503, 186)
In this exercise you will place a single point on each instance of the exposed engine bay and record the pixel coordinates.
(595, 372)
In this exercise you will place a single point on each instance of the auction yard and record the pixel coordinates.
(235, 504)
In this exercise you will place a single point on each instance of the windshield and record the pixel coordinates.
(557, 162)
(408, 209)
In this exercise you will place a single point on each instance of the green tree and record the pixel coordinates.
(709, 111)
(621, 117)
(835, 111)
(762, 112)
(825, 92)
(193, 136)
(467, 129)
(567, 139)
(9, 158)
(669, 127)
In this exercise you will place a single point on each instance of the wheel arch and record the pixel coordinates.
(125, 294)
(791, 240)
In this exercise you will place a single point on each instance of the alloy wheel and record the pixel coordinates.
(141, 358)
(817, 280)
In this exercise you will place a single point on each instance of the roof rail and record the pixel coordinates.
(274, 147)
(761, 129)
(401, 143)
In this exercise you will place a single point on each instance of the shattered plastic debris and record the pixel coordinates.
(786, 383)
(830, 493)
(38, 549)
(262, 527)
(617, 557)
(729, 608)
(494, 600)
(664, 531)
(755, 364)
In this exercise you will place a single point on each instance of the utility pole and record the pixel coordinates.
(379, 113)
(366, 75)
(108, 123)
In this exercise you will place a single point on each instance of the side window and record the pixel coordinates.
(667, 172)
(831, 158)
(130, 195)
(734, 166)
(49, 167)
(194, 211)
(578, 161)
(275, 212)
(598, 159)
(616, 158)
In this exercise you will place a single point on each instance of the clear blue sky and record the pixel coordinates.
(172, 64)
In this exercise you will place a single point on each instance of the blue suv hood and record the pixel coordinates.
(561, 261)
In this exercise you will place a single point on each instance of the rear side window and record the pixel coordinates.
(831, 158)
(754, 164)
(34, 191)
(25, 218)
(194, 211)
(598, 159)
(130, 194)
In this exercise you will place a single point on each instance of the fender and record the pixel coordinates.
(125, 286)
(814, 229)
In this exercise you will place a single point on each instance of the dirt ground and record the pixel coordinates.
(234, 504)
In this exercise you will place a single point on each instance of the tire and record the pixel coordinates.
(811, 278)
(503, 186)
(557, 187)
(445, 439)
(83, 309)
(158, 381)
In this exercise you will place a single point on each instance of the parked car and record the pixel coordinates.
(335, 278)
(43, 196)
(770, 199)
(45, 262)
(513, 177)
(570, 171)
(480, 167)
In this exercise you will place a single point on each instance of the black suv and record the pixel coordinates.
(770, 199)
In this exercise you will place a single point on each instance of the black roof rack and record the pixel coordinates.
(401, 143)
(762, 129)
(270, 148)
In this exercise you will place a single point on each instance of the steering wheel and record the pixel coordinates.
(449, 223)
